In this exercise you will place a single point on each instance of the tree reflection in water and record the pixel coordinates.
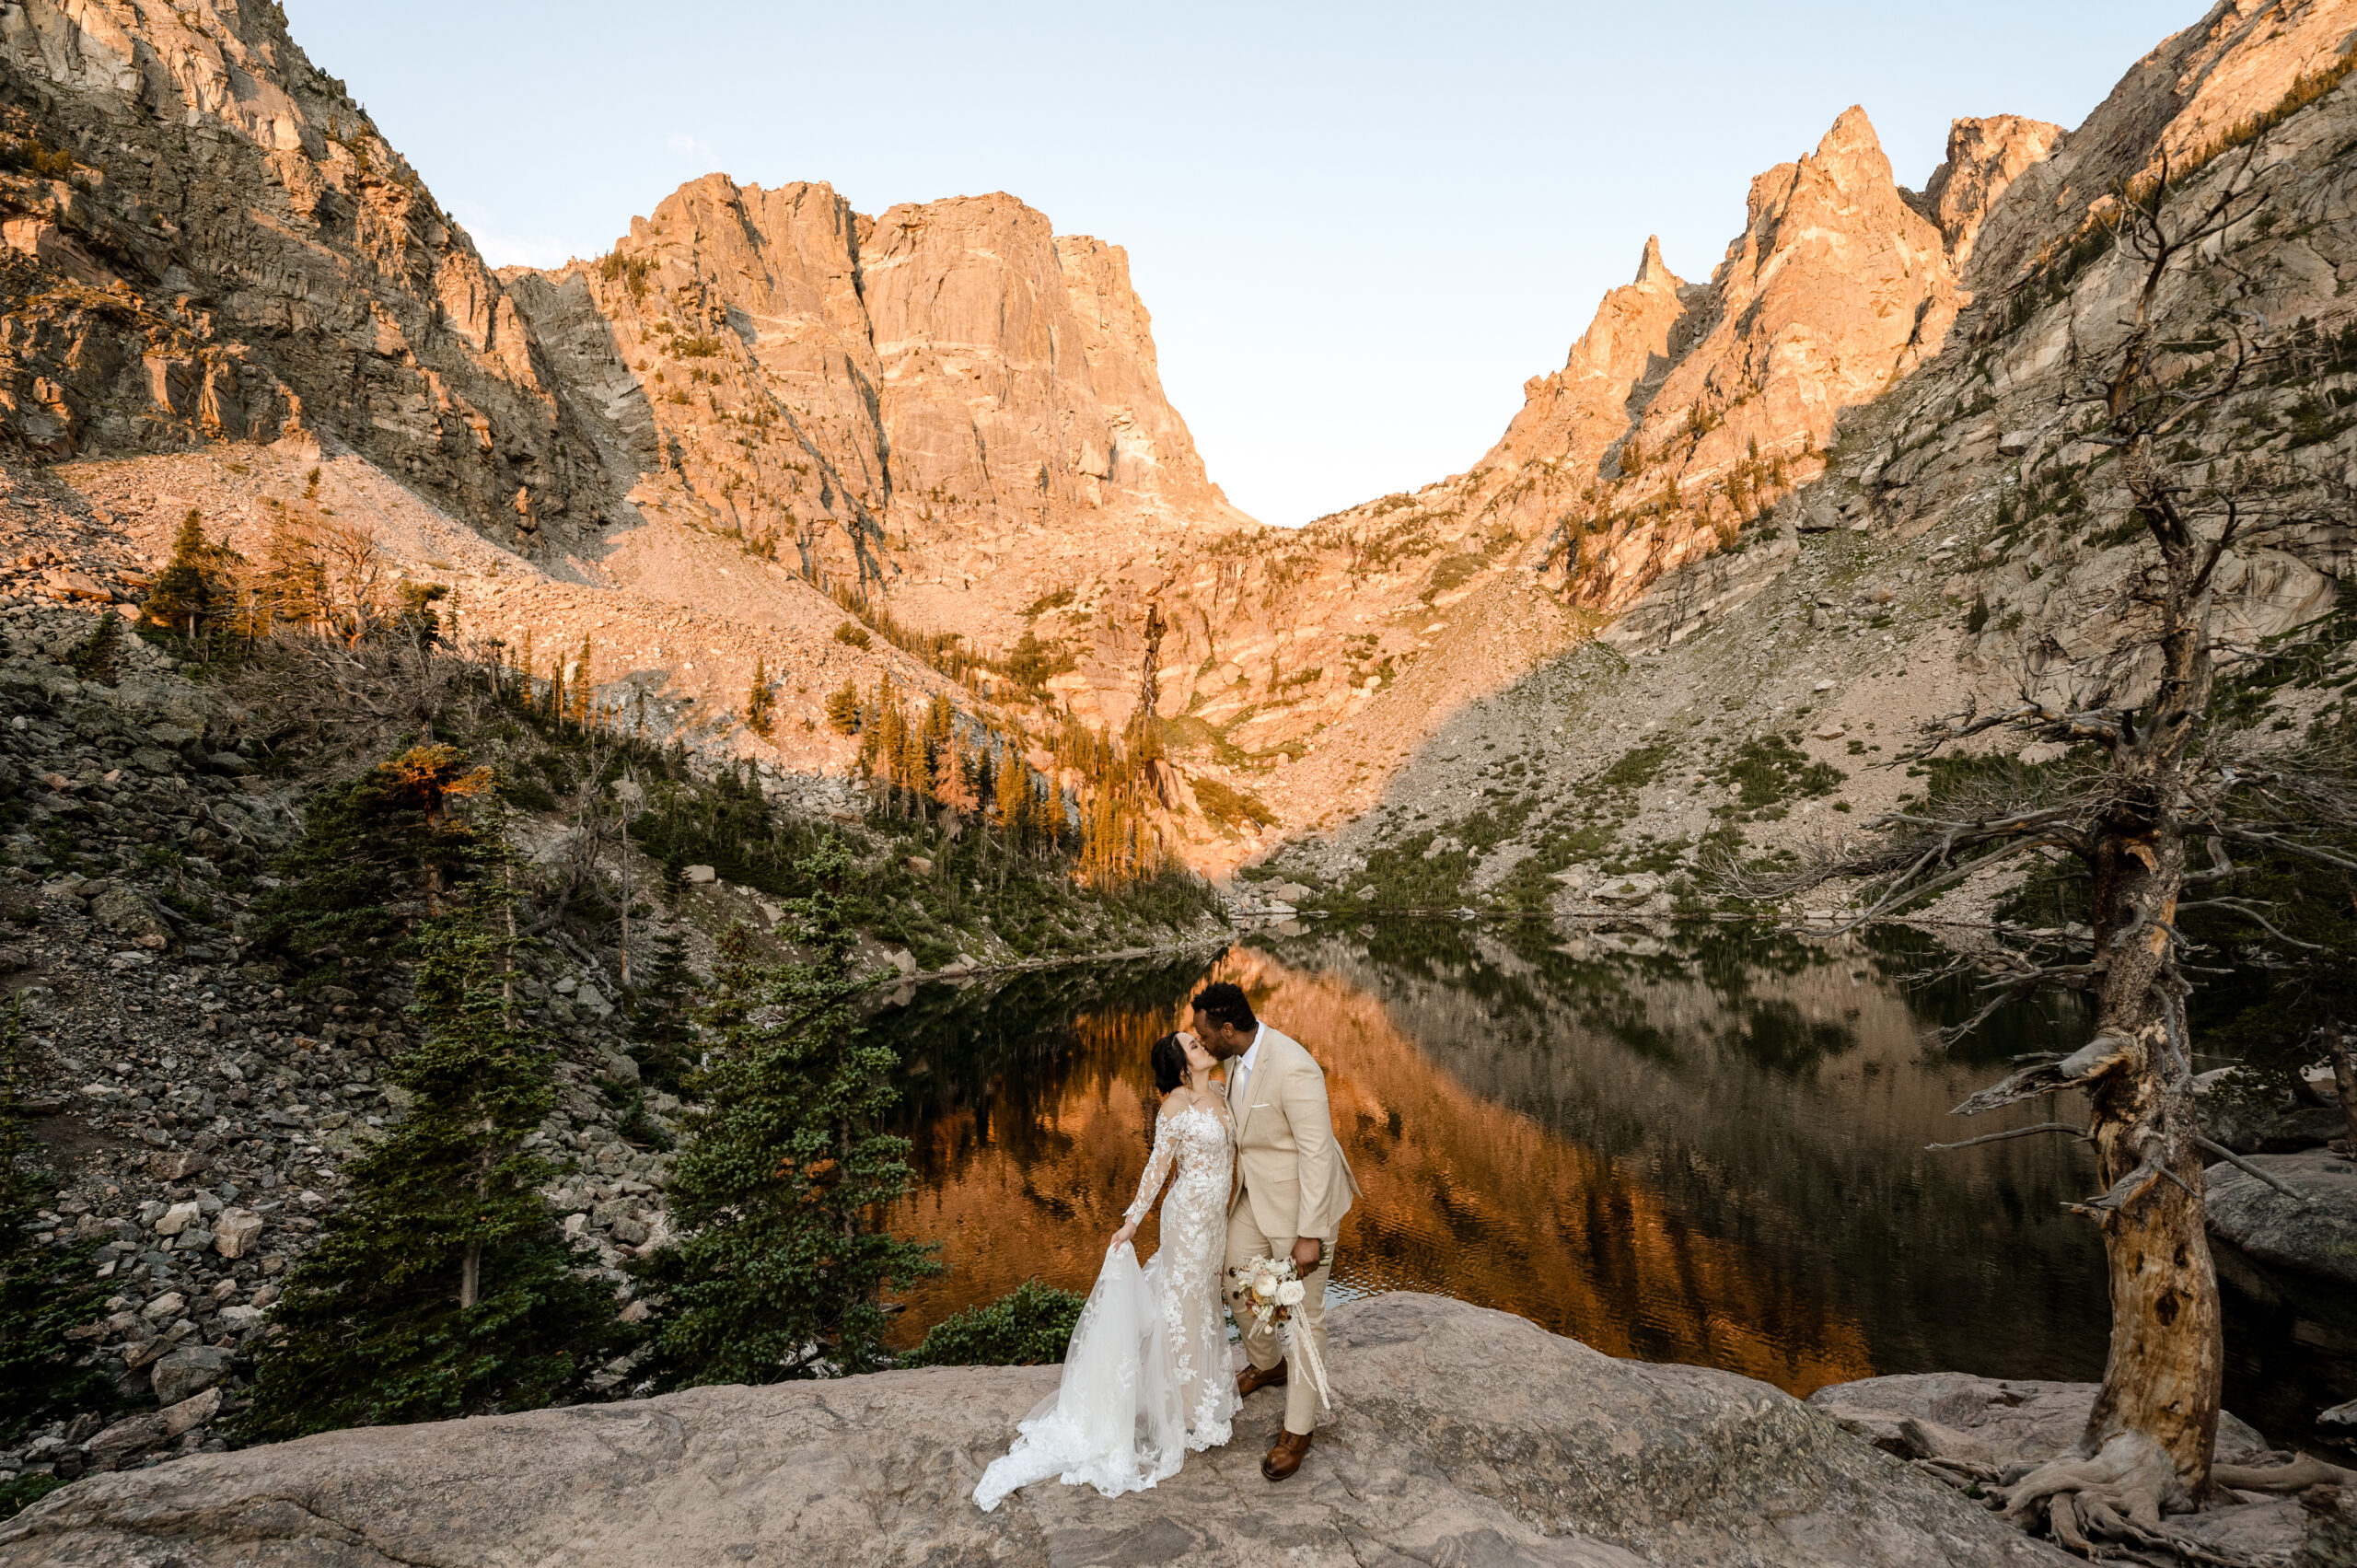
(1709, 1150)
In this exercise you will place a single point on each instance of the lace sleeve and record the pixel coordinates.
(1157, 1172)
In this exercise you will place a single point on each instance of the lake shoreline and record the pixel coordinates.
(953, 974)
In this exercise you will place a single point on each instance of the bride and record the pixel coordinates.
(1146, 1375)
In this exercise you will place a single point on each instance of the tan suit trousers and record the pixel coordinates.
(1265, 1346)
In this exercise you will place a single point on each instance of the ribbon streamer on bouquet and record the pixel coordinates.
(1299, 1337)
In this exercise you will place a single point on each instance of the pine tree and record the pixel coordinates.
(843, 709)
(915, 770)
(376, 855)
(884, 740)
(985, 773)
(295, 575)
(760, 702)
(194, 590)
(444, 1289)
(583, 686)
(780, 1262)
(952, 783)
(660, 1011)
(45, 1289)
(98, 656)
(1014, 797)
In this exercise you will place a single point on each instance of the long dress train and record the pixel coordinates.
(1147, 1373)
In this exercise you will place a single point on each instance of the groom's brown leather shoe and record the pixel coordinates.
(1253, 1379)
(1287, 1456)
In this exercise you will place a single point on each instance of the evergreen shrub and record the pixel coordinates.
(1029, 1326)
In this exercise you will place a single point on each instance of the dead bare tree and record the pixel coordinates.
(357, 577)
(595, 827)
(2170, 778)
(351, 699)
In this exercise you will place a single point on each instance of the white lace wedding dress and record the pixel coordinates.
(1147, 1373)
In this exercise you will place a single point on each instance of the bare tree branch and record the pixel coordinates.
(2238, 1161)
(2052, 1074)
(2078, 1132)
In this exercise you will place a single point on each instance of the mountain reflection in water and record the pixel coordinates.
(1710, 1151)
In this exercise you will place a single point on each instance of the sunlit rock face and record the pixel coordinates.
(1684, 408)
(1985, 156)
(760, 398)
(898, 399)
(236, 254)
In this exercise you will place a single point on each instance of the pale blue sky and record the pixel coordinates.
(1359, 227)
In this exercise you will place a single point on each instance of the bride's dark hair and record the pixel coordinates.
(1169, 1059)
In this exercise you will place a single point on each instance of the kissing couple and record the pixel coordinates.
(1256, 1176)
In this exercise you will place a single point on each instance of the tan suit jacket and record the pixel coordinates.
(1289, 1165)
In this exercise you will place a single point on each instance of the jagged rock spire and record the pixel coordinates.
(1652, 271)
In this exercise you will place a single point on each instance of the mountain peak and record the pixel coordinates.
(1851, 153)
(1652, 271)
(1852, 130)
(1985, 156)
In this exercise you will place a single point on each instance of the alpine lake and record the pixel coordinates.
(1705, 1145)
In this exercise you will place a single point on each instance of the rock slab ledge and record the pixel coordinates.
(1461, 1436)
(2316, 1233)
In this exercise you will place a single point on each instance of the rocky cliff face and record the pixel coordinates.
(2176, 104)
(958, 411)
(1573, 417)
(1309, 667)
(1684, 410)
(1835, 288)
(208, 240)
(1985, 156)
(1963, 543)
(208, 248)
(1680, 419)
(1690, 419)
(900, 403)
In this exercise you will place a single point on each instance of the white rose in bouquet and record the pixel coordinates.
(1264, 1285)
(1290, 1293)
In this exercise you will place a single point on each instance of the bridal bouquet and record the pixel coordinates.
(1270, 1288)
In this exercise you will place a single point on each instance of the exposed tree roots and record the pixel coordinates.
(2298, 1476)
(2112, 1507)
(2131, 1475)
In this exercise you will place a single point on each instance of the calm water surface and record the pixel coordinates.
(1709, 1150)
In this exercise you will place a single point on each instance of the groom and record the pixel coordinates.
(1293, 1187)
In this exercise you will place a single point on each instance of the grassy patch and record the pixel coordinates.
(1638, 767)
(1229, 808)
(1771, 770)
(22, 1494)
(1531, 887)
(1406, 875)
(1456, 571)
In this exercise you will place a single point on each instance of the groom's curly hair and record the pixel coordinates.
(1223, 1002)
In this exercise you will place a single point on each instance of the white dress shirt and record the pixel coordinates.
(1244, 1066)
